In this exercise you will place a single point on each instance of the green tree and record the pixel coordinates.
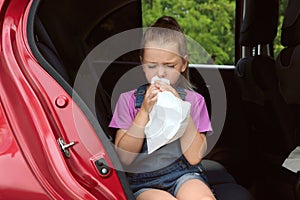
(209, 22)
(277, 42)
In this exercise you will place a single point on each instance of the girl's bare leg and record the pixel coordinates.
(154, 194)
(194, 189)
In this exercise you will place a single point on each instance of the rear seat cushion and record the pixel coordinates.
(216, 173)
(231, 191)
(222, 183)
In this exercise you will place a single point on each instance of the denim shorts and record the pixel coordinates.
(168, 179)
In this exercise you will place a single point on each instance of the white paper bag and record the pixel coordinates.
(168, 120)
(293, 161)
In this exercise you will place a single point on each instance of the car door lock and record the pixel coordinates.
(102, 167)
(65, 147)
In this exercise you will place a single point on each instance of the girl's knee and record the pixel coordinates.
(195, 190)
(155, 194)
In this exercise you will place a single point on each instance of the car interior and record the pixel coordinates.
(260, 128)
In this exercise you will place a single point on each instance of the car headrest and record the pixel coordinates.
(288, 70)
(291, 24)
(259, 26)
(257, 77)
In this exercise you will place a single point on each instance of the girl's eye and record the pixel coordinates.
(171, 66)
(151, 65)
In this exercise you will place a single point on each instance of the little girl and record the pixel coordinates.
(174, 170)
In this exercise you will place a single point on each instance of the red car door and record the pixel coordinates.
(49, 149)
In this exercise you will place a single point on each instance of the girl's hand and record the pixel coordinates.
(150, 98)
(166, 87)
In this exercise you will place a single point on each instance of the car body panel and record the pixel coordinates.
(35, 112)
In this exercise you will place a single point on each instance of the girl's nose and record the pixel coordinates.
(161, 73)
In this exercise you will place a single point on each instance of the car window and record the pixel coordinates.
(211, 23)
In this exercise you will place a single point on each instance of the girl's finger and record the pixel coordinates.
(166, 87)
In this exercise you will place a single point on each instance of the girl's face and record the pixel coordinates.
(163, 61)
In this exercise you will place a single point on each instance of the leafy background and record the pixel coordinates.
(209, 22)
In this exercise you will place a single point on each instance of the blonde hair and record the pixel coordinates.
(166, 30)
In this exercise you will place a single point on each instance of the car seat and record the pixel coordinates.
(270, 118)
(288, 70)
